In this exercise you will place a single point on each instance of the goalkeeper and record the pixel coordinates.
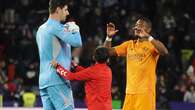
(54, 41)
(97, 79)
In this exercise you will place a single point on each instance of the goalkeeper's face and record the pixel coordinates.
(63, 13)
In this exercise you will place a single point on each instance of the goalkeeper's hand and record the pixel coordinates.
(71, 27)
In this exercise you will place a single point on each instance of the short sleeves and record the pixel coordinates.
(121, 49)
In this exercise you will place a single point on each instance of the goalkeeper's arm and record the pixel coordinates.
(72, 37)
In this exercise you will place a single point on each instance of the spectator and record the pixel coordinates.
(29, 98)
(189, 95)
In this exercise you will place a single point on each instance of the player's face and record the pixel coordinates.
(139, 26)
(64, 13)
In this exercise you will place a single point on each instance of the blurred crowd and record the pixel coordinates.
(173, 24)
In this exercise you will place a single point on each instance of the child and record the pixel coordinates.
(98, 79)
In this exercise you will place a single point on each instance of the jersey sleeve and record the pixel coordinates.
(121, 49)
(72, 38)
(154, 51)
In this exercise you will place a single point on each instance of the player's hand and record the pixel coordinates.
(71, 27)
(140, 31)
(54, 63)
(111, 30)
(144, 34)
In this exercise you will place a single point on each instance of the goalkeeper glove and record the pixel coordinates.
(71, 27)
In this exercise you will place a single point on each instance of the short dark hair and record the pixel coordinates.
(101, 54)
(53, 4)
(149, 23)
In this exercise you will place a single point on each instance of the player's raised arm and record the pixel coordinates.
(159, 46)
(110, 31)
(71, 37)
(142, 29)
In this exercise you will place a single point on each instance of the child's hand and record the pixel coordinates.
(74, 64)
(54, 63)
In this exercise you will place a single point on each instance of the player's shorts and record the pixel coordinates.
(58, 97)
(145, 101)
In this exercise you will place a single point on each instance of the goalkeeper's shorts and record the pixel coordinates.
(57, 97)
(144, 101)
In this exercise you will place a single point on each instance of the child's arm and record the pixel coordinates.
(79, 68)
(76, 67)
(85, 74)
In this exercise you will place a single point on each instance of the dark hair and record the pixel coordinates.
(101, 54)
(148, 22)
(53, 4)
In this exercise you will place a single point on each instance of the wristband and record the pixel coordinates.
(108, 39)
(150, 38)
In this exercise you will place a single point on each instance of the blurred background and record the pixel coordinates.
(173, 24)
